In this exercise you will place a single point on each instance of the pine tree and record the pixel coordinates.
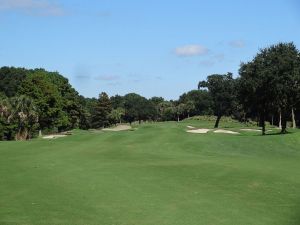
(100, 118)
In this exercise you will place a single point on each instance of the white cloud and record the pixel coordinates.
(33, 7)
(191, 50)
(237, 44)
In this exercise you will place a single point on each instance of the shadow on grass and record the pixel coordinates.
(296, 219)
(279, 133)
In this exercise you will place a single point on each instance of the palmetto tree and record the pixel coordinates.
(5, 109)
(24, 113)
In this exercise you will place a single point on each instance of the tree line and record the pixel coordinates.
(266, 90)
(34, 101)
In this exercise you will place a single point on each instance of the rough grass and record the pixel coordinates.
(156, 175)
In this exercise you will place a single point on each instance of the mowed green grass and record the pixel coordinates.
(155, 175)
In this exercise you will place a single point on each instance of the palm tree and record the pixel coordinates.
(5, 108)
(24, 113)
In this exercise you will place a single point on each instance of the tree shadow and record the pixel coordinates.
(279, 133)
(296, 219)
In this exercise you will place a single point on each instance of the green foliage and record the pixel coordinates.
(18, 118)
(100, 117)
(11, 79)
(117, 101)
(270, 83)
(180, 110)
(223, 92)
(155, 106)
(136, 108)
(116, 115)
(46, 96)
(201, 99)
(24, 114)
(58, 105)
(167, 111)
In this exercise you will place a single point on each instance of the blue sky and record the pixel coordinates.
(154, 48)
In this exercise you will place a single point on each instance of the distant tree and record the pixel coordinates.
(154, 107)
(254, 91)
(87, 106)
(117, 101)
(180, 109)
(201, 100)
(47, 99)
(189, 107)
(116, 115)
(100, 117)
(223, 92)
(70, 99)
(18, 118)
(271, 82)
(11, 79)
(136, 107)
(7, 128)
(167, 111)
(24, 112)
(283, 61)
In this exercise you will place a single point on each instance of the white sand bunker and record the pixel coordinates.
(118, 128)
(54, 136)
(226, 131)
(190, 127)
(247, 129)
(198, 131)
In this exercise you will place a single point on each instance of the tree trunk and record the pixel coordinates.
(40, 133)
(263, 123)
(177, 118)
(283, 122)
(293, 119)
(188, 115)
(272, 122)
(280, 125)
(217, 121)
(22, 134)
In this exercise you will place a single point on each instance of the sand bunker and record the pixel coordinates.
(255, 130)
(204, 131)
(226, 131)
(190, 127)
(118, 128)
(198, 131)
(54, 136)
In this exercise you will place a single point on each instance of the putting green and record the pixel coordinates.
(156, 175)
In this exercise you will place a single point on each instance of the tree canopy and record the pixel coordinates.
(223, 93)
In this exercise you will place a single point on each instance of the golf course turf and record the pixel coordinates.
(157, 174)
